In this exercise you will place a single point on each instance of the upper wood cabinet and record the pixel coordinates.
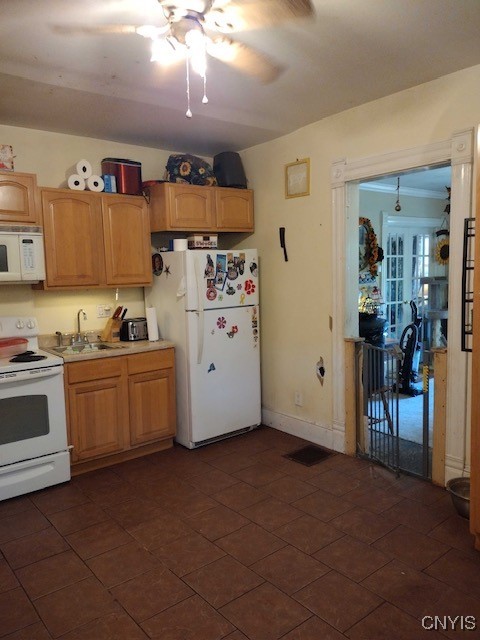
(19, 201)
(95, 240)
(73, 237)
(176, 207)
(185, 207)
(234, 209)
(126, 240)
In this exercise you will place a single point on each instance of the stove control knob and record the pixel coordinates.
(31, 324)
(20, 324)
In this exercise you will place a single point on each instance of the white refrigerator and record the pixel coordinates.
(206, 302)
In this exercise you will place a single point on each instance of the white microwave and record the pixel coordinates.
(22, 258)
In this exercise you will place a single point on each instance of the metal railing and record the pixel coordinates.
(382, 433)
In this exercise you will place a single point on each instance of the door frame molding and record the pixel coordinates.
(458, 151)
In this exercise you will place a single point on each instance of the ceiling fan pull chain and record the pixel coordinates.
(188, 112)
(205, 99)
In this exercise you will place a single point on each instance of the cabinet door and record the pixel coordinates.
(234, 209)
(98, 418)
(152, 406)
(189, 208)
(73, 238)
(126, 228)
(18, 198)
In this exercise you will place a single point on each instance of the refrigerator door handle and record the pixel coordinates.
(182, 289)
(198, 282)
(200, 314)
(200, 332)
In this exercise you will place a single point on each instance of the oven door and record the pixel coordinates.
(32, 410)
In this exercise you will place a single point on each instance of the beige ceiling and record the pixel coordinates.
(105, 86)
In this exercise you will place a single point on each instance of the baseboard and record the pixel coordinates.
(318, 434)
(455, 468)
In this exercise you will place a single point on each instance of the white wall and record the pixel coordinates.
(296, 296)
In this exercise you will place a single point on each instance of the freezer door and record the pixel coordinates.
(224, 372)
(218, 279)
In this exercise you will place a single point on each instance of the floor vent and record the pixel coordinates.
(309, 455)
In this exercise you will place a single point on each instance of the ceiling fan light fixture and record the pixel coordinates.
(147, 31)
(398, 207)
(196, 46)
(166, 51)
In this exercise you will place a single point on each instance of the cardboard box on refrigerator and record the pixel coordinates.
(202, 242)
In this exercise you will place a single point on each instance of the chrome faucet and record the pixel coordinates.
(78, 336)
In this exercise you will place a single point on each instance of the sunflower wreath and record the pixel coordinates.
(373, 253)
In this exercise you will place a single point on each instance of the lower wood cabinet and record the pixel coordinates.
(151, 393)
(120, 407)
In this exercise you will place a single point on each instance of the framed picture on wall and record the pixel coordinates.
(297, 178)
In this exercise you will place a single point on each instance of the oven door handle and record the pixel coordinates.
(31, 374)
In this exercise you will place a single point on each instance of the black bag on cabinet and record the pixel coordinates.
(228, 169)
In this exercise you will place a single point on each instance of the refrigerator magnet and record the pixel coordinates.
(220, 280)
(221, 262)
(249, 287)
(209, 267)
(211, 293)
(254, 269)
(233, 331)
(230, 290)
(232, 273)
(157, 264)
(211, 368)
(241, 264)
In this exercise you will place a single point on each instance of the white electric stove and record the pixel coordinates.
(33, 431)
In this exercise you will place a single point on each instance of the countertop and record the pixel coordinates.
(119, 349)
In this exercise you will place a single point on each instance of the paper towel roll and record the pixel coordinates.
(152, 326)
(76, 182)
(95, 183)
(180, 244)
(84, 168)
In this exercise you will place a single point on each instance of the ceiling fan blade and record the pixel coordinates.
(97, 30)
(245, 59)
(244, 15)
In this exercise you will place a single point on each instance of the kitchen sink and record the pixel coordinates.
(86, 348)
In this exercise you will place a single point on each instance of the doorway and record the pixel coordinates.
(410, 285)
(449, 452)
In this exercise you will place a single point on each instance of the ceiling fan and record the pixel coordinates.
(189, 30)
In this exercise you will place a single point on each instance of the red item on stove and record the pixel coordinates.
(12, 346)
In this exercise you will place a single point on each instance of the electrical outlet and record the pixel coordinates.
(298, 399)
(104, 310)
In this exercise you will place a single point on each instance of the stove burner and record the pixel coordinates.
(27, 356)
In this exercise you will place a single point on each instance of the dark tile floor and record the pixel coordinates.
(234, 541)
